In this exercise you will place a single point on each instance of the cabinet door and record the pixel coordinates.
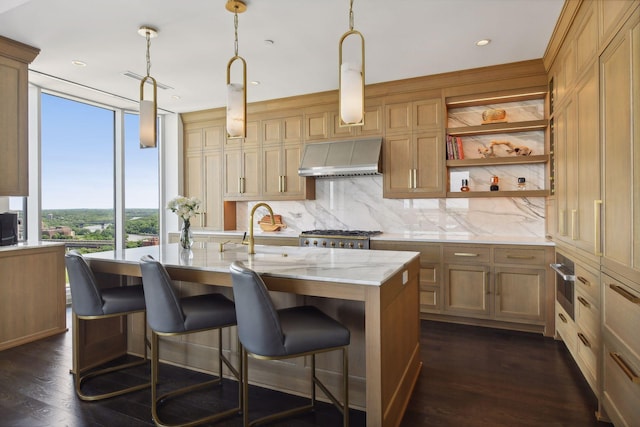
(251, 187)
(213, 215)
(294, 185)
(430, 294)
(429, 165)
(620, 80)
(398, 166)
(466, 290)
(587, 180)
(316, 126)
(194, 179)
(519, 294)
(427, 115)
(14, 164)
(271, 171)
(232, 174)
(398, 117)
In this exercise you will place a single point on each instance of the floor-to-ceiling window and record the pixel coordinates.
(80, 187)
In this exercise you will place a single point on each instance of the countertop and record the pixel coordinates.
(29, 245)
(293, 262)
(409, 236)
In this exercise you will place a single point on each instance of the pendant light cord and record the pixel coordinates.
(235, 25)
(351, 15)
(148, 54)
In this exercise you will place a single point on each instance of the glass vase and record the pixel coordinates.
(186, 236)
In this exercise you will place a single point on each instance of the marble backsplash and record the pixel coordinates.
(357, 203)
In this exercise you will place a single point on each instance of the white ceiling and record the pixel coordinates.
(404, 38)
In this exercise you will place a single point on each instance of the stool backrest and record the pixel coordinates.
(164, 312)
(86, 299)
(259, 326)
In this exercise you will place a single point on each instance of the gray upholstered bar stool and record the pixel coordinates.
(89, 302)
(267, 333)
(170, 315)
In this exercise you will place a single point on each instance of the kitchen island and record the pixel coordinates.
(374, 293)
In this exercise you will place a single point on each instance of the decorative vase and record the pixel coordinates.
(186, 237)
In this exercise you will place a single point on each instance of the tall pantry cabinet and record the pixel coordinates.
(594, 108)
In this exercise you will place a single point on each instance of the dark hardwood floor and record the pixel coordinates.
(472, 377)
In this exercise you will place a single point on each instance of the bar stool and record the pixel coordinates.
(267, 333)
(89, 302)
(169, 315)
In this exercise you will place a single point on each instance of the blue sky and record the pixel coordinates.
(78, 158)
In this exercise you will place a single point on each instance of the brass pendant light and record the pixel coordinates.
(351, 80)
(236, 92)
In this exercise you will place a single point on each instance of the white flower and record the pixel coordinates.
(185, 207)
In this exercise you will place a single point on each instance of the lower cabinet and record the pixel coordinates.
(506, 286)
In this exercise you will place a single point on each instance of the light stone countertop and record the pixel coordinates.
(30, 245)
(293, 262)
(409, 236)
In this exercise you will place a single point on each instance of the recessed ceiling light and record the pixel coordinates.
(255, 82)
(483, 42)
(176, 97)
(79, 63)
(269, 42)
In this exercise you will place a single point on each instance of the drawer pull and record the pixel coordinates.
(584, 302)
(626, 294)
(584, 340)
(625, 368)
(583, 280)
(520, 257)
(561, 316)
(465, 254)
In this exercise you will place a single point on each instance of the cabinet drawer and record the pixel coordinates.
(430, 299)
(622, 312)
(621, 386)
(519, 256)
(428, 275)
(565, 328)
(587, 316)
(475, 254)
(588, 282)
(586, 355)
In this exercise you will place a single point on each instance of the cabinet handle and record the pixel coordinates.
(240, 185)
(520, 257)
(464, 254)
(561, 316)
(284, 183)
(415, 178)
(596, 224)
(584, 302)
(626, 294)
(243, 184)
(584, 281)
(410, 178)
(584, 340)
(625, 368)
(279, 183)
(574, 214)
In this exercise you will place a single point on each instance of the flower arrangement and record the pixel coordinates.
(185, 207)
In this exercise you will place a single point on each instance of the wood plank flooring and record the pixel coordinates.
(472, 377)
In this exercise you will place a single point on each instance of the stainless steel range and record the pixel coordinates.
(349, 239)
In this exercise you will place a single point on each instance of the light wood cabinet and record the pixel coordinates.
(467, 290)
(519, 294)
(373, 123)
(14, 131)
(241, 174)
(413, 165)
(577, 157)
(32, 293)
(619, 109)
(203, 172)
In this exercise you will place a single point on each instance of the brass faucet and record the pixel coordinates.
(273, 222)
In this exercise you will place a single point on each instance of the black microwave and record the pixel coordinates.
(8, 229)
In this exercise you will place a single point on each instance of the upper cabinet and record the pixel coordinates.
(14, 132)
(413, 149)
(496, 144)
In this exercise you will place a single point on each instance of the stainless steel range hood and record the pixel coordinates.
(354, 157)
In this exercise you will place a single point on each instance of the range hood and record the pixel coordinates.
(353, 157)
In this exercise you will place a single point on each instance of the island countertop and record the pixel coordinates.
(357, 267)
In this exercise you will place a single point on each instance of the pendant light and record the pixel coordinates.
(351, 80)
(148, 109)
(236, 92)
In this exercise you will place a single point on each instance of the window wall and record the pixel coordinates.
(85, 200)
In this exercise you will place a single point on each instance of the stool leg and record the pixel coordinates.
(245, 388)
(313, 380)
(345, 385)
